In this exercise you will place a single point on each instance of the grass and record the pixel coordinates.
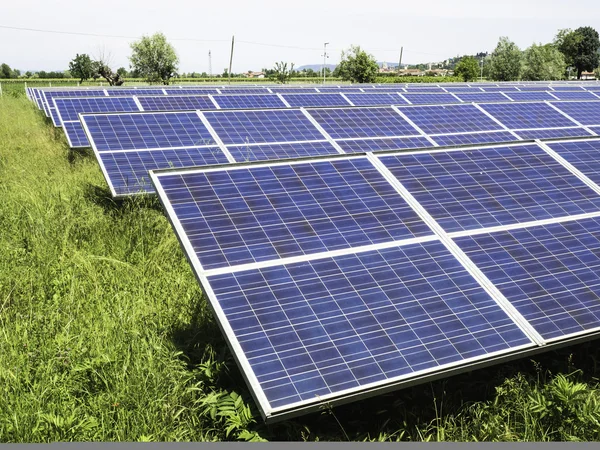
(105, 334)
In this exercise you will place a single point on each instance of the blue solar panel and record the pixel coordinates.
(474, 138)
(147, 130)
(483, 97)
(55, 117)
(527, 115)
(240, 127)
(525, 96)
(463, 89)
(306, 100)
(127, 171)
(249, 101)
(500, 89)
(189, 91)
(586, 113)
(422, 89)
(75, 135)
(424, 99)
(369, 99)
(584, 155)
(176, 103)
(466, 190)
(284, 90)
(449, 119)
(137, 92)
(551, 273)
(263, 152)
(553, 133)
(244, 90)
(575, 95)
(263, 213)
(362, 122)
(340, 324)
(70, 108)
(374, 145)
(338, 89)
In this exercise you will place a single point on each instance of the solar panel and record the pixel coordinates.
(444, 119)
(554, 133)
(463, 89)
(374, 145)
(527, 115)
(584, 155)
(249, 101)
(286, 90)
(190, 91)
(500, 89)
(176, 103)
(474, 138)
(316, 99)
(525, 96)
(466, 190)
(263, 152)
(586, 113)
(422, 89)
(369, 99)
(127, 171)
(70, 108)
(550, 273)
(75, 134)
(338, 89)
(257, 214)
(424, 99)
(227, 90)
(575, 95)
(240, 127)
(330, 325)
(137, 92)
(343, 123)
(123, 131)
(483, 97)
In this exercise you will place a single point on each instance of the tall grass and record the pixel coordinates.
(105, 334)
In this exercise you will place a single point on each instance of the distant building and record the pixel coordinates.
(251, 74)
(588, 76)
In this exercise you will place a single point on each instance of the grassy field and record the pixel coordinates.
(105, 334)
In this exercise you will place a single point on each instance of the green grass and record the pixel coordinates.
(105, 334)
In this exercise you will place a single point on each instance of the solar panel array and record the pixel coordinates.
(343, 277)
(253, 135)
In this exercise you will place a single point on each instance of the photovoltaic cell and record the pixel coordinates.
(316, 99)
(586, 113)
(575, 95)
(263, 152)
(527, 115)
(176, 103)
(319, 328)
(70, 108)
(551, 273)
(249, 101)
(137, 92)
(76, 135)
(369, 99)
(374, 145)
(146, 130)
(283, 90)
(263, 213)
(474, 138)
(526, 96)
(422, 90)
(240, 127)
(127, 171)
(244, 90)
(444, 119)
(189, 91)
(362, 122)
(466, 190)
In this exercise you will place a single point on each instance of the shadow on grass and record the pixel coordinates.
(101, 196)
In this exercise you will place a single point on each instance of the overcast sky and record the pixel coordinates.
(267, 31)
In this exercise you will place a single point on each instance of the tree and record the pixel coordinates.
(5, 71)
(281, 73)
(154, 58)
(580, 48)
(467, 69)
(543, 62)
(82, 67)
(505, 62)
(122, 71)
(357, 66)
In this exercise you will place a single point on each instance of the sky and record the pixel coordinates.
(267, 31)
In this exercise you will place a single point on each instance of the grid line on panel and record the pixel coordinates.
(249, 101)
(414, 125)
(527, 115)
(315, 100)
(176, 103)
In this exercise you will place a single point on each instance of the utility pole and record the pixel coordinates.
(209, 64)
(230, 60)
(324, 60)
(481, 79)
(400, 60)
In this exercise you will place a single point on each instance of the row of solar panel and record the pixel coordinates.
(341, 277)
(128, 145)
(68, 109)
